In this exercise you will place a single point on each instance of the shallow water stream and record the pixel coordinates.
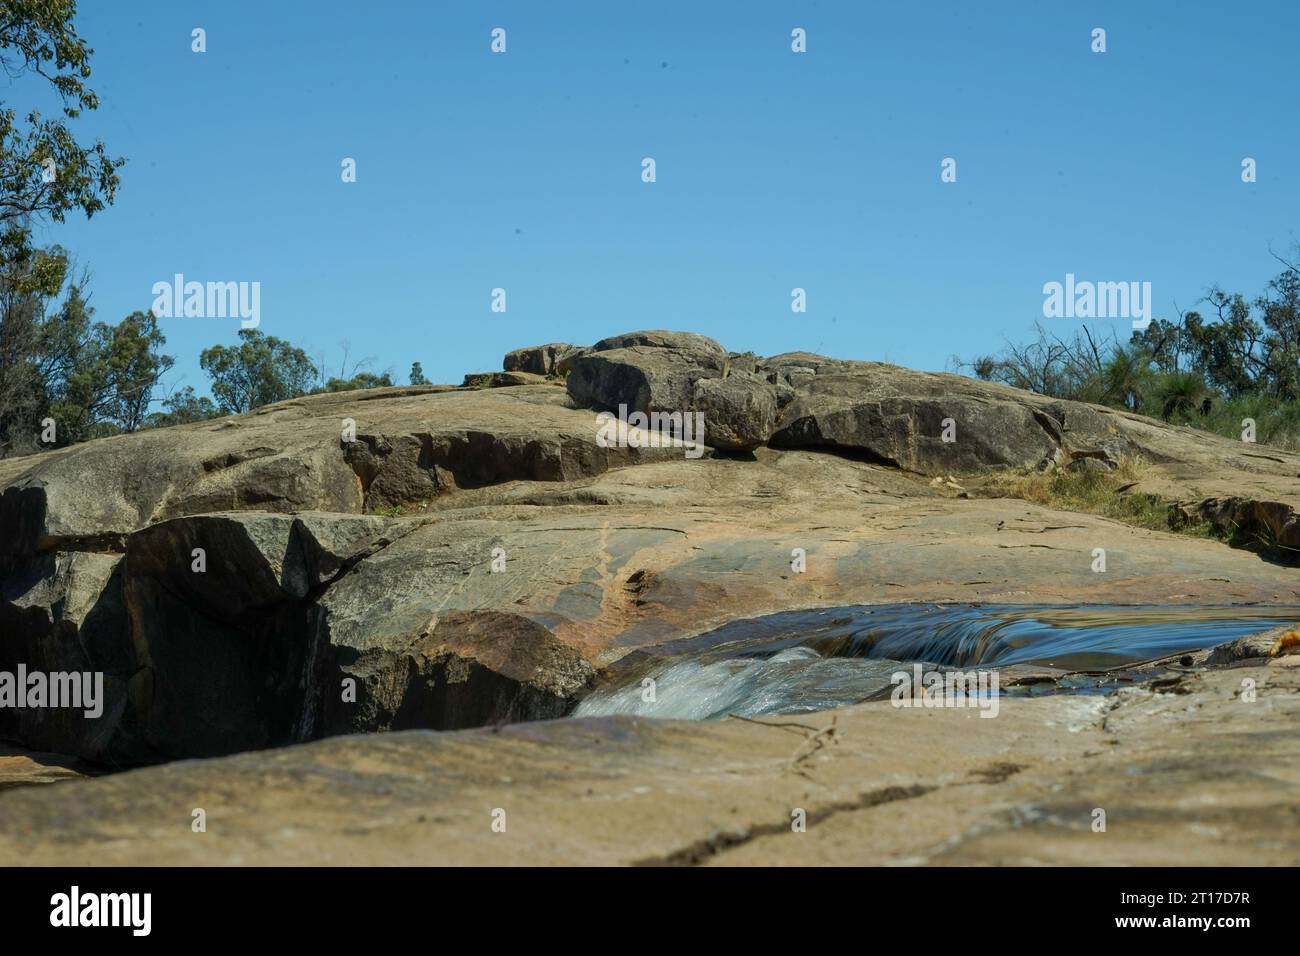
(799, 661)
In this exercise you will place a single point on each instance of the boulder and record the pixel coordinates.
(538, 359)
(463, 669)
(1270, 524)
(503, 379)
(642, 378)
(677, 372)
(658, 339)
(739, 410)
(1278, 642)
(918, 434)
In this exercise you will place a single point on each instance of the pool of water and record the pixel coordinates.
(800, 661)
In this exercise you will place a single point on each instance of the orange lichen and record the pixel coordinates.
(1288, 643)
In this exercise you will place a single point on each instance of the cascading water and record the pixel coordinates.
(799, 661)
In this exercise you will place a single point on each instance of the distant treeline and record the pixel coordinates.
(64, 377)
(1241, 361)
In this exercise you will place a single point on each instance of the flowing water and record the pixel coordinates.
(800, 661)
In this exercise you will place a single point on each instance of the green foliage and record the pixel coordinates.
(402, 510)
(27, 283)
(417, 374)
(38, 36)
(1127, 379)
(1251, 347)
(44, 170)
(1276, 423)
(132, 365)
(1243, 363)
(260, 370)
(359, 380)
(91, 378)
(99, 378)
(182, 408)
(1181, 394)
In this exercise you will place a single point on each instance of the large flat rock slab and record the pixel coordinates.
(1192, 774)
(343, 452)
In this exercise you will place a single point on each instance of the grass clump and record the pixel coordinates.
(410, 508)
(1104, 493)
(1276, 423)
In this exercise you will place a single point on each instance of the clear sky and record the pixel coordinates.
(775, 170)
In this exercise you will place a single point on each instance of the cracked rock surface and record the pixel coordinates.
(1192, 773)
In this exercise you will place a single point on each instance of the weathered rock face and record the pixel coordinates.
(97, 564)
(230, 638)
(22, 767)
(504, 379)
(739, 411)
(932, 423)
(643, 378)
(515, 552)
(909, 432)
(538, 360)
(923, 422)
(687, 342)
(1276, 523)
(676, 373)
(62, 612)
(464, 669)
(410, 444)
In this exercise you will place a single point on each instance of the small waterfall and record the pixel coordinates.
(800, 661)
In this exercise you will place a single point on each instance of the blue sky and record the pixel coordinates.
(775, 170)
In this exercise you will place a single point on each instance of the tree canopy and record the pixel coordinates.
(260, 370)
(55, 362)
(44, 170)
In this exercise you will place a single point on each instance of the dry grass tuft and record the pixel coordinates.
(1105, 493)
